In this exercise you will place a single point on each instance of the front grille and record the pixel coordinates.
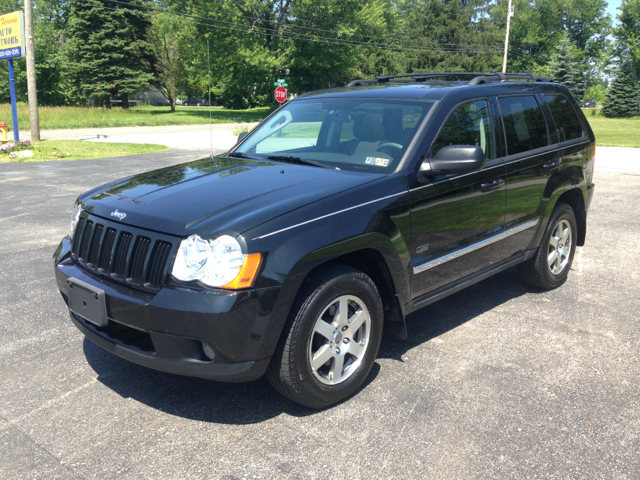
(134, 256)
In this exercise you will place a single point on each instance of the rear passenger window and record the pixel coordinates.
(524, 124)
(565, 117)
(468, 124)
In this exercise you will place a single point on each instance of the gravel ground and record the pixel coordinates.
(498, 381)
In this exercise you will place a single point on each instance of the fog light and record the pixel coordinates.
(208, 351)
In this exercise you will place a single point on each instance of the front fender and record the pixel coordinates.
(369, 217)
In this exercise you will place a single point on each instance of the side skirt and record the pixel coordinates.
(465, 282)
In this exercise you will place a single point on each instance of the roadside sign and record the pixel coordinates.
(12, 35)
(12, 46)
(280, 83)
(281, 94)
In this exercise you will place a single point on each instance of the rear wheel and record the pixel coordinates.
(550, 266)
(331, 339)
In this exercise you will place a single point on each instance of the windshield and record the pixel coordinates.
(347, 133)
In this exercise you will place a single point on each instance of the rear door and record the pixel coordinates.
(531, 159)
(453, 216)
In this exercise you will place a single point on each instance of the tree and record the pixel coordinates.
(51, 75)
(628, 32)
(171, 40)
(109, 53)
(597, 92)
(538, 27)
(457, 35)
(567, 68)
(623, 98)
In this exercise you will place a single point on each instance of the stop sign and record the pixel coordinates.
(281, 94)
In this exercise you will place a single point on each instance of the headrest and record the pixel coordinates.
(368, 128)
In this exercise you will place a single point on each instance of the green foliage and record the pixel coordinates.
(538, 27)
(171, 40)
(623, 98)
(597, 92)
(468, 40)
(92, 48)
(108, 49)
(91, 117)
(566, 67)
(628, 32)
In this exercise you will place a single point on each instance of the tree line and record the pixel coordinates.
(106, 49)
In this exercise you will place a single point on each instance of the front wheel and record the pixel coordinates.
(331, 340)
(550, 266)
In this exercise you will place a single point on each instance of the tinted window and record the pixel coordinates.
(564, 116)
(524, 124)
(468, 124)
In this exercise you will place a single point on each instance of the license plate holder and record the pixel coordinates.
(87, 302)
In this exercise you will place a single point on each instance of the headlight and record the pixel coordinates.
(216, 263)
(74, 222)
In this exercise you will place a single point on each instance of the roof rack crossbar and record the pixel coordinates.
(478, 78)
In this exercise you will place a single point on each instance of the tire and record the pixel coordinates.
(548, 270)
(308, 336)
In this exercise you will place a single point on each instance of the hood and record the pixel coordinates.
(217, 194)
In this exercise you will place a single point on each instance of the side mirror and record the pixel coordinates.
(241, 136)
(452, 159)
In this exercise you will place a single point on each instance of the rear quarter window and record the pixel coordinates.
(524, 124)
(567, 122)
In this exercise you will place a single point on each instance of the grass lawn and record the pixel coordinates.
(89, 117)
(614, 132)
(80, 150)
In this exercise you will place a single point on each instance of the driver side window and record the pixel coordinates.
(468, 124)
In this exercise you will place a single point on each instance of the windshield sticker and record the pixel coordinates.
(378, 162)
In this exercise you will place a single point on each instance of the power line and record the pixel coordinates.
(293, 35)
(445, 46)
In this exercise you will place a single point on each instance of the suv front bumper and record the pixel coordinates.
(169, 330)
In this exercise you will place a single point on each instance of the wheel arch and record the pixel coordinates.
(371, 262)
(575, 199)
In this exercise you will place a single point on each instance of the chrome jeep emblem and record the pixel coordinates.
(119, 215)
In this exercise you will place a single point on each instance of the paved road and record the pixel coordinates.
(498, 381)
(221, 136)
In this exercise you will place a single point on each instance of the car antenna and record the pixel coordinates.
(210, 126)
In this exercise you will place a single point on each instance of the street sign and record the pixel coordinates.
(12, 35)
(281, 94)
(280, 83)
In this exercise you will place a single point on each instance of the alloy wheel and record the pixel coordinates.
(339, 339)
(559, 251)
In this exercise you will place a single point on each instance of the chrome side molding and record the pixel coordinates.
(476, 246)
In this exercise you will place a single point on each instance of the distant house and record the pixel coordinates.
(150, 95)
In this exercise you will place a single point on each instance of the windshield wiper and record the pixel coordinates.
(241, 155)
(297, 160)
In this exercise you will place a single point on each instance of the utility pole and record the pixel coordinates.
(31, 72)
(506, 40)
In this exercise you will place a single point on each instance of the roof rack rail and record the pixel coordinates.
(477, 78)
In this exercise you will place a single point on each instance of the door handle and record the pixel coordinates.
(553, 164)
(492, 185)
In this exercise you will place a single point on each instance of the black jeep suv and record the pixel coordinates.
(344, 210)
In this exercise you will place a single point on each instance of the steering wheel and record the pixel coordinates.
(389, 144)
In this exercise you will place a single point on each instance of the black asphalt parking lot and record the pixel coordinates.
(498, 381)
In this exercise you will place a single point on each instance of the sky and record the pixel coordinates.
(612, 9)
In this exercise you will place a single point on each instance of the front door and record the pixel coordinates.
(454, 217)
